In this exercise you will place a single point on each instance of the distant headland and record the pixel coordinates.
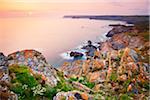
(130, 19)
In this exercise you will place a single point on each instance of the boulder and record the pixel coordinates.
(36, 61)
(72, 95)
(106, 47)
(70, 69)
(119, 41)
(81, 87)
(93, 77)
(97, 64)
(86, 67)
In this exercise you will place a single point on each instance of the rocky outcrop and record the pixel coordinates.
(33, 66)
(117, 72)
(37, 63)
(119, 68)
(117, 29)
(120, 41)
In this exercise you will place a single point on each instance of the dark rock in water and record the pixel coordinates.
(90, 49)
(76, 55)
(36, 61)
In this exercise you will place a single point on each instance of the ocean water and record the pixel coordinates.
(50, 35)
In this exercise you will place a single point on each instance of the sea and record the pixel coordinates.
(52, 36)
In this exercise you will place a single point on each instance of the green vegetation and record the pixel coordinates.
(50, 92)
(125, 97)
(63, 85)
(113, 77)
(28, 86)
(83, 81)
(24, 84)
(126, 83)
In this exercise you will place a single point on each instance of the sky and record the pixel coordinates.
(98, 7)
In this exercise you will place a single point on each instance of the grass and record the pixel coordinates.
(83, 81)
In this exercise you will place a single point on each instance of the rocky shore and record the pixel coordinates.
(117, 69)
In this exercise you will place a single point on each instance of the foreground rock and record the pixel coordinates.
(27, 74)
(37, 62)
(5, 93)
(119, 70)
(73, 95)
(124, 74)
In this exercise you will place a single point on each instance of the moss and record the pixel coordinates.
(50, 92)
(23, 75)
(26, 78)
(111, 98)
(113, 77)
(63, 85)
(24, 82)
(73, 79)
(18, 69)
(82, 80)
(17, 89)
(125, 97)
(145, 85)
(97, 96)
(126, 83)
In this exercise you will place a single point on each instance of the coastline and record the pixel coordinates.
(132, 22)
(118, 70)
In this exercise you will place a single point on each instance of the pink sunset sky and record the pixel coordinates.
(14, 8)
